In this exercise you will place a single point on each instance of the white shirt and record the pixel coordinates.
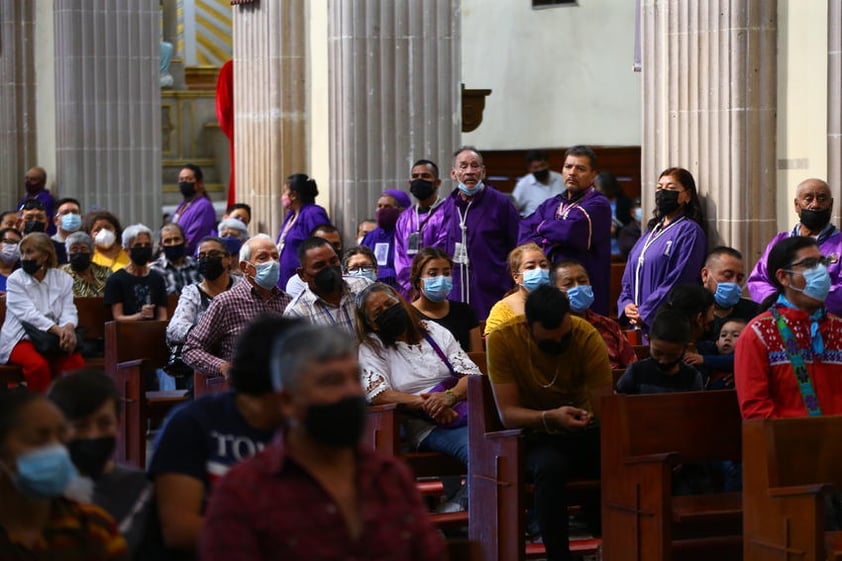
(529, 193)
(43, 304)
(295, 286)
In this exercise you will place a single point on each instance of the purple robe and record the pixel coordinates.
(385, 267)
(49, 203)
(410, 221)
(830, 244)
(491, 231)
(309, 216)
(672, 256)
(198, 218)
(580, 230)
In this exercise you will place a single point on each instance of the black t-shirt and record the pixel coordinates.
(459, 321)
(134, 292)
(745, 310)
(645, 377)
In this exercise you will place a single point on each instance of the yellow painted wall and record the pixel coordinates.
(317, 99)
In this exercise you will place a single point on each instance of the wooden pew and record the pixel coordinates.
(789, 465)
(133, 349)
(644, 438)
(208, 385)
(93, 315)
(10, 375)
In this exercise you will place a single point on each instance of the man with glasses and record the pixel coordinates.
(68, 218)
(813, 205)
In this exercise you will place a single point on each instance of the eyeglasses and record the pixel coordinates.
(358, 270)
(10, 241)
(212, 254)
(810, 262)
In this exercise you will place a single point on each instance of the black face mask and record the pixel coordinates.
(667, 366)
(31, 226)
(392, 322)
(421, 189)
(140, 255)
(30, 266)
(815, 219)
(666, 201)
(79, 261)
(90, 455)
(556, 347)
(174, 252)
(339, 424)
(187, 188)
(328, 280)
(387, 217)
(542, 175)
(211, 267)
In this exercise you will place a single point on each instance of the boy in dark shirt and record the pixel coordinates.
(664, 371)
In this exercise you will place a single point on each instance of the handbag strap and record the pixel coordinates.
(441, 354)
(811, 402)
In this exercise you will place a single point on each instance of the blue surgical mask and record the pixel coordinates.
(638, 214)
(581, 297)
(363, 273)
(437, 289)
(818, 282)
(267, 274)
(727, 294)
(469, 191)
(71, 222)
(533, 278)
(45, 472)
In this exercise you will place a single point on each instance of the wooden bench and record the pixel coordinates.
(644, 438)
(789, 465)
(93, 315)
(133, 349)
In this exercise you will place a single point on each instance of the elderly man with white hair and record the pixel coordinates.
(136, 292)
(210, 345)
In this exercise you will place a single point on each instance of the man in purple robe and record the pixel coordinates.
(195, 214)
(576, 224)
(813, 205)
(381, 240)
(419, 225)
(35, 183)
(479, 229)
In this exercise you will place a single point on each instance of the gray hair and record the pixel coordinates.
(78, 237)
(295, 350)
(245, 250)
(132, 232)
(232, 223)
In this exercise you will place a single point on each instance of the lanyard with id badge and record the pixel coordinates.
(413, 244)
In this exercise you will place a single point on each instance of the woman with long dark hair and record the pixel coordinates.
(298, 199)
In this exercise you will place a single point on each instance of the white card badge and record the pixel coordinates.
(412, 243)
(381, 253)
(460, 254)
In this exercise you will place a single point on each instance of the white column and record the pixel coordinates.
(834, 103)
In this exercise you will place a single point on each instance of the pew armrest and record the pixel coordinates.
(799, 490)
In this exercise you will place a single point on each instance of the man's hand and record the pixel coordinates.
(224, 369)
(566, 417)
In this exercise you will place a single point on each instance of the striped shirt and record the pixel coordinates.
(311, 307)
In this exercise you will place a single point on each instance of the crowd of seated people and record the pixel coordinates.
(420, 292)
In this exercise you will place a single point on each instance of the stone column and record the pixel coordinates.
(709, 103)
(270, 109)
(834, 103)
(394, 97)
(108, 106)
(17, 92)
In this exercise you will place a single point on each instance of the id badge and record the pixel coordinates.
(460, 254)
(412, 243)
(381, 253)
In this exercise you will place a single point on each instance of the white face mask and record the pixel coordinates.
(9, 253)
(105, 238)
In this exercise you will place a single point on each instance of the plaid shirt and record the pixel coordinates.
(211, 343)
(315, 310)
(177, 276)
(620, 351)
(271, 508)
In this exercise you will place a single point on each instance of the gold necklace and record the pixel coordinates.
(532, 365)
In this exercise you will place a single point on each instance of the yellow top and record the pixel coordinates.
(500, 313)
(115, 264)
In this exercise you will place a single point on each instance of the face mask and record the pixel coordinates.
(328, 280)
(30, 266)
(267, 274)
(9, 253)
(71, 222)
(174, 252)
(533, 278)
(387, 218)
(363, 273)
(392, 322)
(727, 294)
(666, 201)
(556, 347)
(339, 424)
(140, 255)
(32, 188)
(471, 192)
(422, 189)
(90, 455)
(105, 238)
(45, 472)
(818, 282)
(581, 297)
(542, 175)
(31, 226)
(666, 367)
(285, 202)
(232, 244)
(815, 219)
(211, 268)
(638, 214)
(79, 261)
(437, 289)
(187, 188)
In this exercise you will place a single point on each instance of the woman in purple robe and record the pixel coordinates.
(303, 216)
(195, 214)
(671, 252)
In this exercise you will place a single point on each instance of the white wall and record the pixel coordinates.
(559, 76)
(45, 93)
(318, 108)
(802, 100)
